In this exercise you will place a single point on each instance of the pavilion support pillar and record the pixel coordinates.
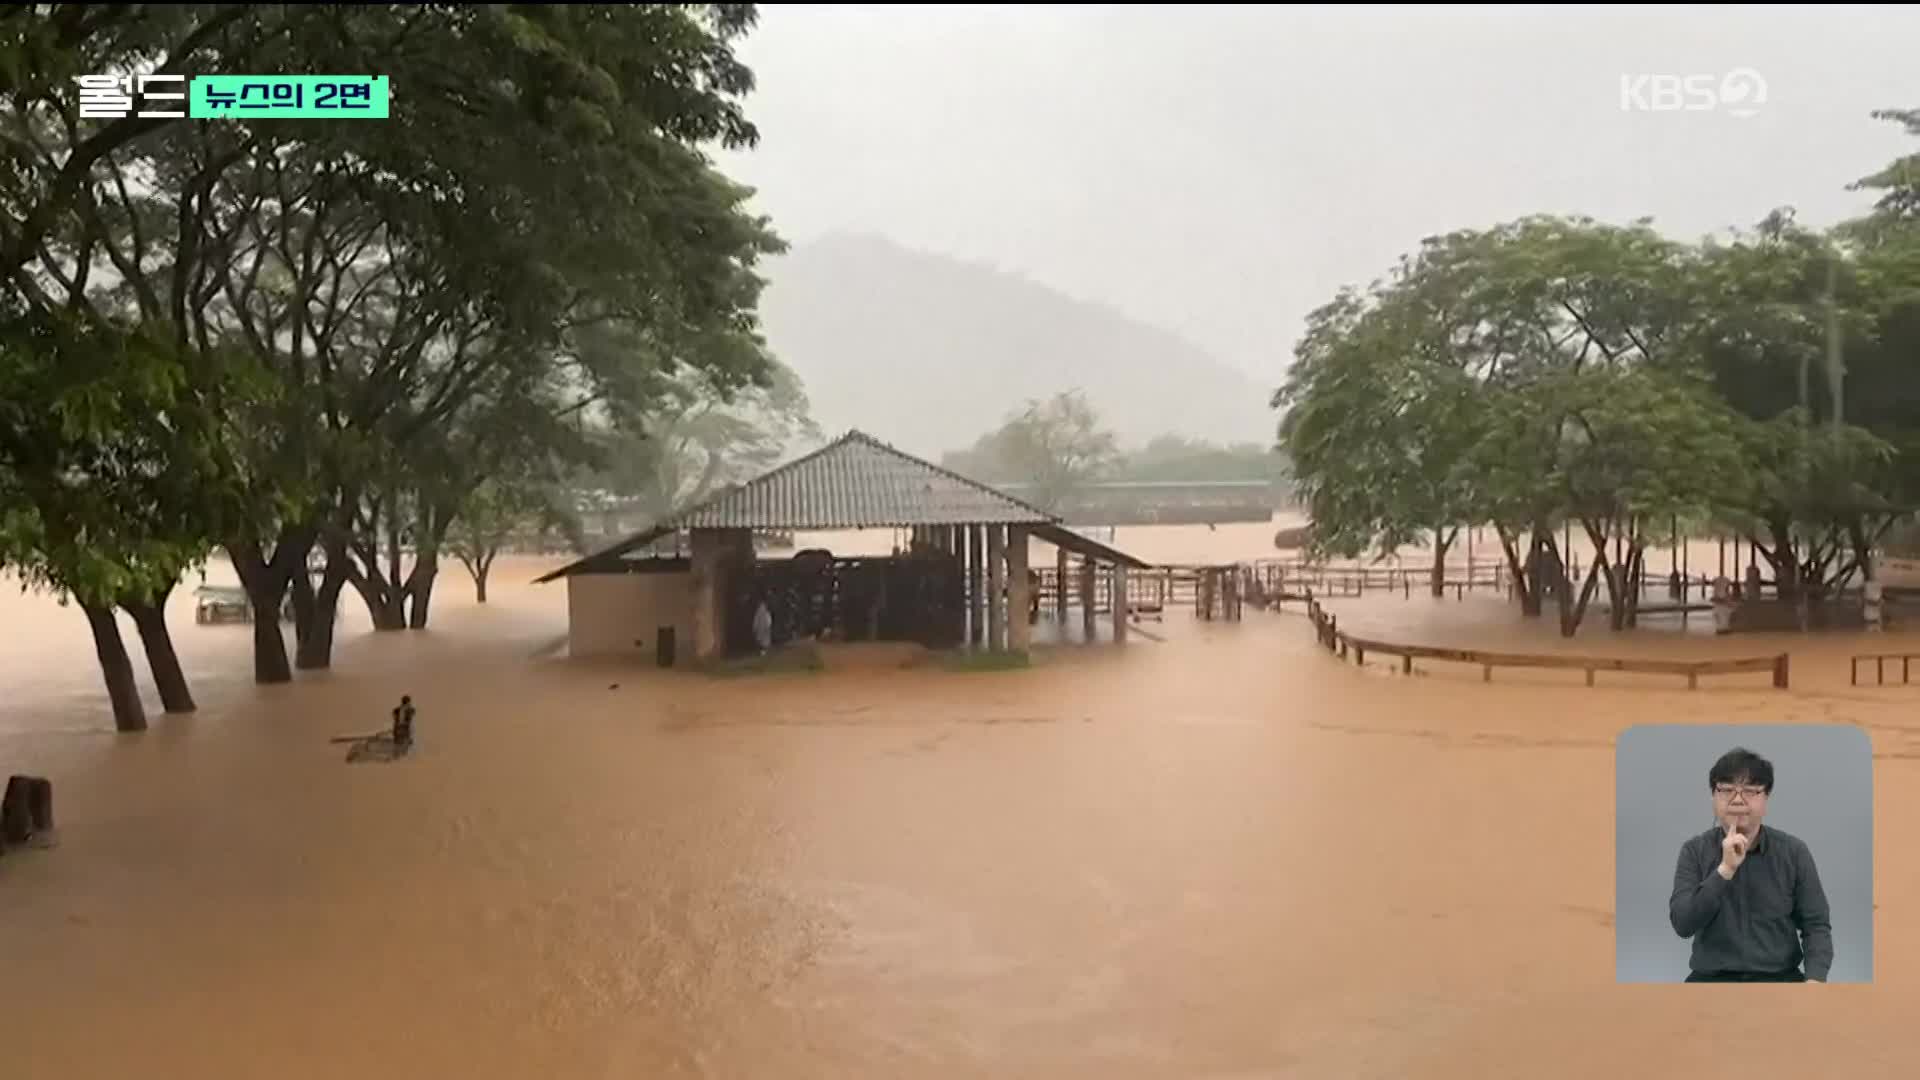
(996, 587)
(1019, 590)
(976, 539)
(1119, 578)
(1060, 592)
(712, 551)
(1088, 615)
(947, 540)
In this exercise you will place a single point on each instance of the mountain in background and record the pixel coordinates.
(929, 353)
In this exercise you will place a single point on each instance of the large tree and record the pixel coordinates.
(1492, 377)
(43, 47)
(1887, 246)
(1379, 427)
(696, 436)
(384, 275)
(507, 448)
(1629, 449)
(116, 473)
(1056, 446)
(1788, 326)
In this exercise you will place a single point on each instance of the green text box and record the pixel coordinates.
(288, 97)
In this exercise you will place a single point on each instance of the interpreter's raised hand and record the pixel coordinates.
(1733, 852)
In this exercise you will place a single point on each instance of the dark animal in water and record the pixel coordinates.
(1289, 539)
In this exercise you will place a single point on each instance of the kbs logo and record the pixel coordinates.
(1738, 93)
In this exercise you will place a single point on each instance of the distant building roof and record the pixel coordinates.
(854, 482)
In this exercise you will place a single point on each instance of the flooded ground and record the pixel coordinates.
(1221, 855)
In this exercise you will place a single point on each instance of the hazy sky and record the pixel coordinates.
(1221, 172)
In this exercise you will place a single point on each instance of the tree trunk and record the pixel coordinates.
(1615, 574)
(150, 618)
(266, 582)
(431, 534)
(381, 594)
(420, 594)
(116, 668)
(1572, 612)
(316, 651)
(1437, 579)
(1784, 557)
(396, 591)
(1569, 620)
(1549, 571)
(377, 592)
(1636, 580)
(1862, 549)
(1525, 586)
(301, 589)
(315, 648)
(479, 563)
(373, 591)
(393, 612)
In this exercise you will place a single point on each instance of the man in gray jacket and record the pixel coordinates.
(1749, 896)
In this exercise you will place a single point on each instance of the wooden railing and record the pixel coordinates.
(1275, 575)
(1880, 667)
(1327, 629)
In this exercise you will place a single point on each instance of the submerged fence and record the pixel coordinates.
(1326, 628)
(1880, 667)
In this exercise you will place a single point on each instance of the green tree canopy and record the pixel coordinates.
(1057, 445)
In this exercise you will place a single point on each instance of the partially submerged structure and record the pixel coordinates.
(963, 579)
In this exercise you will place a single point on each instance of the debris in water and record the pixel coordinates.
(374, 748)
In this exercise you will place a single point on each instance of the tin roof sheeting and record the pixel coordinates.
(858, 482)
(854, 482)
(1086, 546)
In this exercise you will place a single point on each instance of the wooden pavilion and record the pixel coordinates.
(963, 579)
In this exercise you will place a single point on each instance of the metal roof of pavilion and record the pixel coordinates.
(854, 482)
(859, 482)
(1086, 546)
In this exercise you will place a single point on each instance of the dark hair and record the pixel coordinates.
(1740, 764)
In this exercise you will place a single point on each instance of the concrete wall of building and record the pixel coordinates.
(621, 614)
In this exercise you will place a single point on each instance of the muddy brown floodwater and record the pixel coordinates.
(1221, 855)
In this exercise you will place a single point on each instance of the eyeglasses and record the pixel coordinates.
(1749, 792)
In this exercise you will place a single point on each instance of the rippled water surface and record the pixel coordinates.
(1223, 854)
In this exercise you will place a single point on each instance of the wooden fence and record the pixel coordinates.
(1283, 575)
(1357, 580)
(1149, 592)
(1327, 629)
(1880, 667)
